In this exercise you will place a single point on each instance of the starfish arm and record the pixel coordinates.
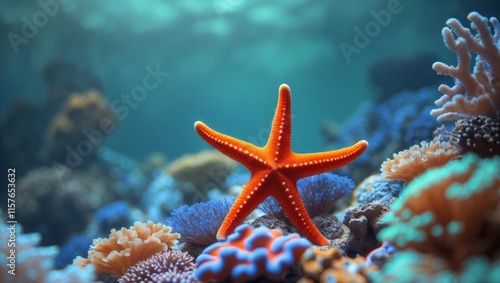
(303, 165)
(245, 153)
(280, 138)
(250, 197)
(293, 207)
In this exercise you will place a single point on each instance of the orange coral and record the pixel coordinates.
(127, 247)
(409, 163)
(331, 266)
(451, 212)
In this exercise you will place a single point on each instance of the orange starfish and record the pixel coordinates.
(275, 169)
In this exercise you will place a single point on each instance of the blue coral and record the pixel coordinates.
(397, 123)
(249, 253)
(319, 194)
(200, 222)
(377, 188)
(77, 245)
(113, 215)
(161, 197)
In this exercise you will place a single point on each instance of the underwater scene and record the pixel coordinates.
(151, 141)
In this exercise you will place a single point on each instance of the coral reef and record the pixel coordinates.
(409, 163)
(477, 93)
(331, 266)
(451, 213)
(59, 202)
(479, 134)
(381, 255)
(319, 194)
(201, 172)
(248, 254)
(76, 132)
(32, 263)
(126, 247)
(396, 123)
(169, 266)
(377, 188)
(364, 223)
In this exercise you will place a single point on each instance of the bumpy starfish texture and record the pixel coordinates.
(275, 169)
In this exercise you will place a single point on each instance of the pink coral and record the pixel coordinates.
(473, 93)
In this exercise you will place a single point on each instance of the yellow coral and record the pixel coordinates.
(126, 247)
(409, 163)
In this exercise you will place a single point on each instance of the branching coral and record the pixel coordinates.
(170, 266)
(450, 212)
(250, 253)
(477, 93)
(126, 247)
(412, 162)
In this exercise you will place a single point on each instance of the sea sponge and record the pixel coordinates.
(250, 253)
(126, 247)
(376, 188)
(77, 131)
(201, 172)
(452, 213)
(170, 266)
(409, 163)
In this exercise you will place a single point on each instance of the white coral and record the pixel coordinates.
(473, 93)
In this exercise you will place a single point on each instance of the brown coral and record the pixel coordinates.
(201, 171)
(79, 129)
(480, 135)
(409, 163)
(60, 199)
(364, 222)
(126, 247)
(331, 266)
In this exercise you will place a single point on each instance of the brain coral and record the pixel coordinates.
(126, 247)
(250, 253)
(452, 212)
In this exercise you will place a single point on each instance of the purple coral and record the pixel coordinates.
(200, 222)
(319, 194)
(473, 93)
(249, 253)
